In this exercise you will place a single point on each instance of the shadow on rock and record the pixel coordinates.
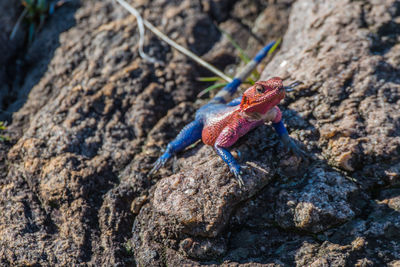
(26, 65)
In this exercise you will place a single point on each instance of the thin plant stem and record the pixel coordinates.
(169, 41)
(16, 26)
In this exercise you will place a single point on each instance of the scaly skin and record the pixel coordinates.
(224, 124)
(220, 125)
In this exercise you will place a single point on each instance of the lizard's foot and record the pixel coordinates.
(297, 150)
(159, 163)
(237, 172)
(291, 145)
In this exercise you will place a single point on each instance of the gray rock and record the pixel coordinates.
(322, 203)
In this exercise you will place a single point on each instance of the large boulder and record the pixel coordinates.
(74, 188)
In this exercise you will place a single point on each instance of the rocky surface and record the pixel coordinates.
(74, 187)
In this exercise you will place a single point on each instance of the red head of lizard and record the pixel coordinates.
(262, 96)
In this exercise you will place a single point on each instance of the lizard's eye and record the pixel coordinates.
(260, 89)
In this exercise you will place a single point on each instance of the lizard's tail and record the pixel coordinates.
(225, 94)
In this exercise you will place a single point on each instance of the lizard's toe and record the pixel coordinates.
(239, 180)
(159, 163)
(156, 166)
(238, 176)
(297, 150)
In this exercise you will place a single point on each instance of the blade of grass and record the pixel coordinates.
(31, 32)
(210, 88)
(41, 5)
(250, 81)
(4, 138)
(243, 56)
(278, 42)
(17, 24)
(209, 79)
(255, 74)
(2, 128)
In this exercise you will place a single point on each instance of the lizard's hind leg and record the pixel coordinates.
(189, 135)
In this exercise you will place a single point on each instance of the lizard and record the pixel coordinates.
(220, 122)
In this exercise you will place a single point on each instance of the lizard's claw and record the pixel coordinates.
(159, 163)
(239, 179)
(237, 172)
(293, 147)
(297, 150)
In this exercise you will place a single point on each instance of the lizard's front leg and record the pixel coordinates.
(227, 138)
(234, 167)
(286, 140)
(189, 135)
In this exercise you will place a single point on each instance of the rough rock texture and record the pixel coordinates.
(74, 187)
(351, 86)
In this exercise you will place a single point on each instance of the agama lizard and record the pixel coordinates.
(221, 124)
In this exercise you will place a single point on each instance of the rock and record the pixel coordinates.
(325, 200)
(74, 186)
(347, 87)
(64, 179)
(192, 208)
(202, 201)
